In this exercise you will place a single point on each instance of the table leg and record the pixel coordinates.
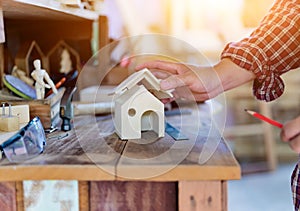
(84, 196)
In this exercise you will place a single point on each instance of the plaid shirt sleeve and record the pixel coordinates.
(271, 49)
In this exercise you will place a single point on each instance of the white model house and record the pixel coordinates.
(138, 106)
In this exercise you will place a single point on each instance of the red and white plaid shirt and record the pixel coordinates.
(271, 50)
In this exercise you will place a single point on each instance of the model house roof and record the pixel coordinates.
(146, 78)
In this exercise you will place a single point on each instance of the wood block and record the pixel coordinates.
(47, 109)
(22, 111)
(9, 123)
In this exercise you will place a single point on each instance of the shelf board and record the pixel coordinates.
(44, 10)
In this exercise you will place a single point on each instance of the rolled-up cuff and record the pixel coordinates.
(268, 89)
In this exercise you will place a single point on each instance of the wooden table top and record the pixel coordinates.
(92, 151)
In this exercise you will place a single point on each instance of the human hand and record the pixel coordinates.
(291, 133)
(203, 82)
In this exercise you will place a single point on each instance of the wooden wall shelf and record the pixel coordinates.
(46, 22)
(44, 10)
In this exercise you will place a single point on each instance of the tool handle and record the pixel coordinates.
(81, 108)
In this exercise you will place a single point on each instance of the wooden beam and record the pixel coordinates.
(20, 196)
(2, 40)
(1, 63)
(83, 192)
(103, 38)
(2, 36)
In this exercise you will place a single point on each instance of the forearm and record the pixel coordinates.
(232, 75)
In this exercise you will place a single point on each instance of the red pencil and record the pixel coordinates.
(264, 118)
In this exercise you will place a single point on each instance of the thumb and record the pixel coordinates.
(172, 82)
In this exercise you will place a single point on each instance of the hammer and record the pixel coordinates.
(66, 108)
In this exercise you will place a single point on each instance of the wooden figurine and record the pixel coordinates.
(39, 75)
(138, 106)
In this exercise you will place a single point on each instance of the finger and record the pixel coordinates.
(160, 65)
(295, 144)
(295, 136)
(171, 82)
(160, 74)
(286, 137)
(197, 96)
(125, 62)
(167, 100)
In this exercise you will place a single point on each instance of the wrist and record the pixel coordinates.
(232, 75)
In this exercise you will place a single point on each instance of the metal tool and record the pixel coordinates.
(66, 112)
(66, 109)
(81, 108)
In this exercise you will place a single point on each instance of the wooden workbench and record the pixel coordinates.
(144, 174)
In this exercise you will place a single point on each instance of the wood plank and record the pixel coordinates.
(2, 40)
(56, 172)
(1, 64)
(103, 38)
(84, 195)
(224, 195)
(8, 196)
(92, 151)
(20, 196)
(44, 9)
(129, 195)
(200, 195)
(88, 152)
(2, 36)
(168, 160)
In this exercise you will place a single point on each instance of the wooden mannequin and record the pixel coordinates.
(39, 75)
